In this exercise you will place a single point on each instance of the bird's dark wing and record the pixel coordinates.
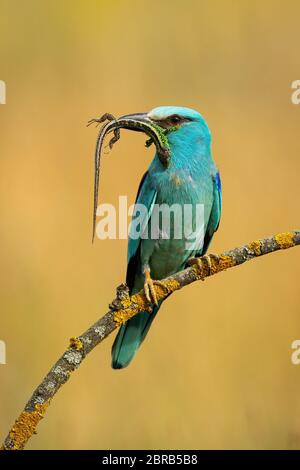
(215, 214)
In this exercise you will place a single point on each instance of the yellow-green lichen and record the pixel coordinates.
(25, 426)
(171, 285)
(225, 262)
(255, 246)
(131, 306)
(76, 343)
(138, 302)
(285, 240)
(122, 316)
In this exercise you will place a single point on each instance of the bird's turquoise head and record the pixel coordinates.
(184, 128)
(173, 129)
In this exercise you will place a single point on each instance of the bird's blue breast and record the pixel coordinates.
(183, 185)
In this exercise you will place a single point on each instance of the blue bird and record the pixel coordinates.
(188, 177)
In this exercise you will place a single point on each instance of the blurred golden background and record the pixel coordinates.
(215, 371)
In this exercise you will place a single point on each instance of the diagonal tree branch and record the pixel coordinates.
(121, 309)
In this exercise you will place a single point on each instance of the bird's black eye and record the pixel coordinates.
(175, 119)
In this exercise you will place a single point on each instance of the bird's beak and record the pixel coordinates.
(142, 123)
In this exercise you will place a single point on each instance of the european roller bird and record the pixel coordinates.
(184, 175)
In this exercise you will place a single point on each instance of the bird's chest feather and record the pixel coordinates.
(181, 190)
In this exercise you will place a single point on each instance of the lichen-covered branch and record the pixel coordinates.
(121, 309)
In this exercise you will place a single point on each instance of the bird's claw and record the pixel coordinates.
(149, 288)
(202, 269)
(198, 262)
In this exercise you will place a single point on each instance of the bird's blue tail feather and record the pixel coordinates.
(130, 337)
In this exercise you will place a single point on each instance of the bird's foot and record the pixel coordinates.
(204, 264)
(149, 288)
